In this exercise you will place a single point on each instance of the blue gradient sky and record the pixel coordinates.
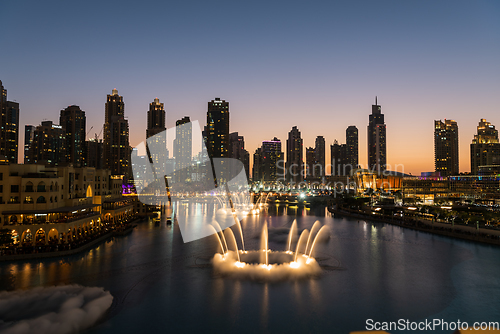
(317, 65)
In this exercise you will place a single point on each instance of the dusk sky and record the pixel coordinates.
(317, 65)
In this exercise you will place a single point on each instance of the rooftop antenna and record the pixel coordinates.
(376, 101)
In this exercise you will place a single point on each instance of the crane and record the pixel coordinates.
(87, 135)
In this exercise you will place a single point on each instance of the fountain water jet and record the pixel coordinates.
(314, 228)
(291, 235)
(231, 237)
(219, 229)
(264, 245)
(267, 265)
(323, 228)
(302, 237)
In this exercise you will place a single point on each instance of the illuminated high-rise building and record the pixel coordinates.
(9, 128)
(310, 162)
(156, 127)
(377, 155)
(183, 149)
(49, 145)
(73, 121)
(319, 155)
(352, 156)
(271, 157)
(237, 151)
(116, 148)
(344, 157)
(446, 147)
(294, 157)
(485, 147)
(217, 131)
(29, 132)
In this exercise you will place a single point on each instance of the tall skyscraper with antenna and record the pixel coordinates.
(377, 154)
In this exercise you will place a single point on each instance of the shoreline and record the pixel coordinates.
(457, 231)
(62, 253)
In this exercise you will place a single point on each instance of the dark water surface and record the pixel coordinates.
(380, 272)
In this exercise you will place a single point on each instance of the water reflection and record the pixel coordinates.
(386, 273)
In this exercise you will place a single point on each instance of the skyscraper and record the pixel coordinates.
(485, 147)
(338, 158)
(9, 128)
(49, 145)
(377, 156)
(446, 147)
(294, 157)
(156, 128)
(319, 155)
(73, 121)
(310, 162)
(257, 165)
(183, 149)
(218, 128)
(270, 158)
(237, 151)
(116, 148)
(344, 157)
(351, 137)
(29, 132)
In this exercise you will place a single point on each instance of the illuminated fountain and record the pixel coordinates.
(265, 264)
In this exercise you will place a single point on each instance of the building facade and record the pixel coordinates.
(218, 129)
(9, 128)
(116, 147)
(377, 153)
(29, 133)
(237, 151)
(73, 121)
(57, 205)
(156, 135)
(49, 145)
(294, 157)
(485, 147)
(446, 147)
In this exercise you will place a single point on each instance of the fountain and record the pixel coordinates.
(265, 264)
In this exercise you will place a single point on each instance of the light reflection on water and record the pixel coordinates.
(387, 273)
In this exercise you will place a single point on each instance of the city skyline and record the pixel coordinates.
(317, 67)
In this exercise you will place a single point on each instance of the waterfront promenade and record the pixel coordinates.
(470, 233)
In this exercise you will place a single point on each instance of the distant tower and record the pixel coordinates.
(446, 147)
(294, 157)
(319, 155)
(377, 156)
(310, 162)
(29, 132)
(73, 121)
(351, 153)
(271, 155)
(116, 148)
(237, 151)
(183, 149)
(218, 128)
(9, 128)
(257, 165)
(49, 145)
(156, 128)
(485, 147)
